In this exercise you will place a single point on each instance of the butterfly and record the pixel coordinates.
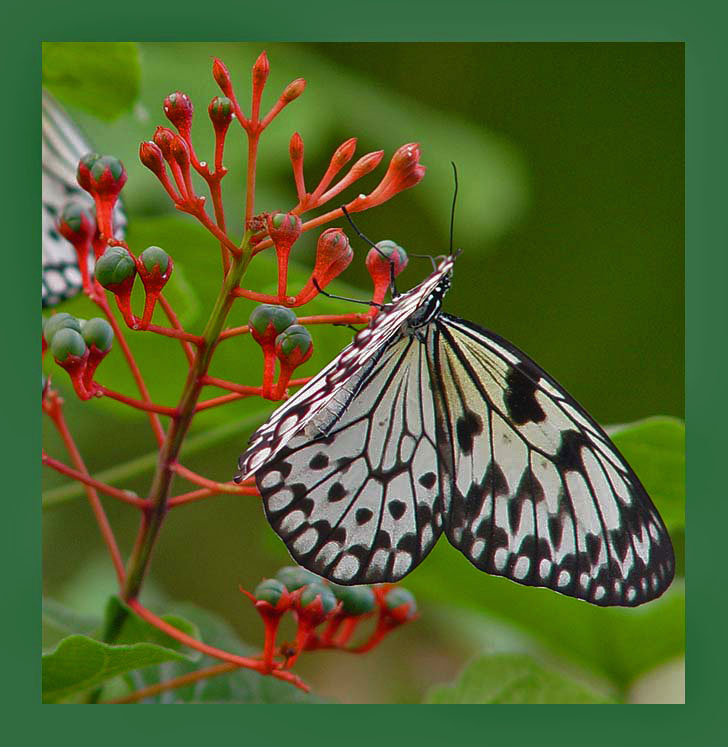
(62, 147)
(429, 424)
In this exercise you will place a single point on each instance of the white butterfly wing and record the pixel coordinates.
(62, 147)
(364, 503)
(339, 380)
(540, 494)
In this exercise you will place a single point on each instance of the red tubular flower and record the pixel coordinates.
(163, 137)
(284, 230)
(103, 177)
(222, 78)
(179, 110)
(78, 226)
(333, 255)
(380, 262)
(405, 170)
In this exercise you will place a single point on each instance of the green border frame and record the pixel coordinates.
(699, 24)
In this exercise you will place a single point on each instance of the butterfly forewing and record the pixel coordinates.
(428, 423)
(324, 392)
(540, 494)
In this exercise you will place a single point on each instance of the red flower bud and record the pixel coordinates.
(179, 110)
(150, 154)
(344, 152)
(105, 176)
(180, 152)
(77, 225)
(293, 90)
(380, 261)
(261, 68)
(367, 163)
(283, 229)
(222, 77)
(83, 173)
(295, 147)
(333, 255)
(405, 170)
(221, 112)
(163, 138)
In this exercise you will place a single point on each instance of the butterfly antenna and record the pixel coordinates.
(343, 298)
(454, 200)
(392, 286)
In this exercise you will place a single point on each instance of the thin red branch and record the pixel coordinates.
(122, 495)
(175, 682)
(54, 410)
(220, 487)
(221, 400)
(240, 661)
(137, 404)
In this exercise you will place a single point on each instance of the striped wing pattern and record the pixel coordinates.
(436, 425)
(62, 147)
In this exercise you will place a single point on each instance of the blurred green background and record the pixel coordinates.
(570, 215)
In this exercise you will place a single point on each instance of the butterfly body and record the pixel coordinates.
(428, 424)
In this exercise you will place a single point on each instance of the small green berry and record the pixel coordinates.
(398, 596)
(67, 342)
(114, 266)
(355, 600)
(266, 315)
(328, 600)
(98, 332)
(295, 340)
(155, 257)
(269, 591)
(58, 322)
(294, 577)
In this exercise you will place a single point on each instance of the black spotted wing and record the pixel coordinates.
(364, 503)
(540, 494)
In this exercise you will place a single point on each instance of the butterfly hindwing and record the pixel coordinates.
(364, 503)
(540, 493)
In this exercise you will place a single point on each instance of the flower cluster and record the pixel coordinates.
(327, 615)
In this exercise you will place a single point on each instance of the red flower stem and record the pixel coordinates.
(56, 414)
(191, 497)
(321, 319)
(240, 661)
(175, 333)
(231, 386)
(138, 404)
(221, 400)
(281, 298)
(196, 210)
(220, 487)
(216, 194)
(103, 304)
(253, 138)
(178, 329)
(347, 630)
(121, 495)
(174, 683)
(179, 179)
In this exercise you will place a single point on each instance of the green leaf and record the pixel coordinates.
(80, 663)
(512, 678)
(60, 621)
(135, 630)
(655, 448)
(99, 77)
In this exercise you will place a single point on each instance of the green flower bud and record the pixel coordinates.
(58, 322)
(154, 257)
(67, 342)
(115, 266)
(100, 166)
(294, 577)
(398, 596)
(328, 600)
(268, 321)
(355, 600)
(294, 342)
(269, 591)
(98, 332)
